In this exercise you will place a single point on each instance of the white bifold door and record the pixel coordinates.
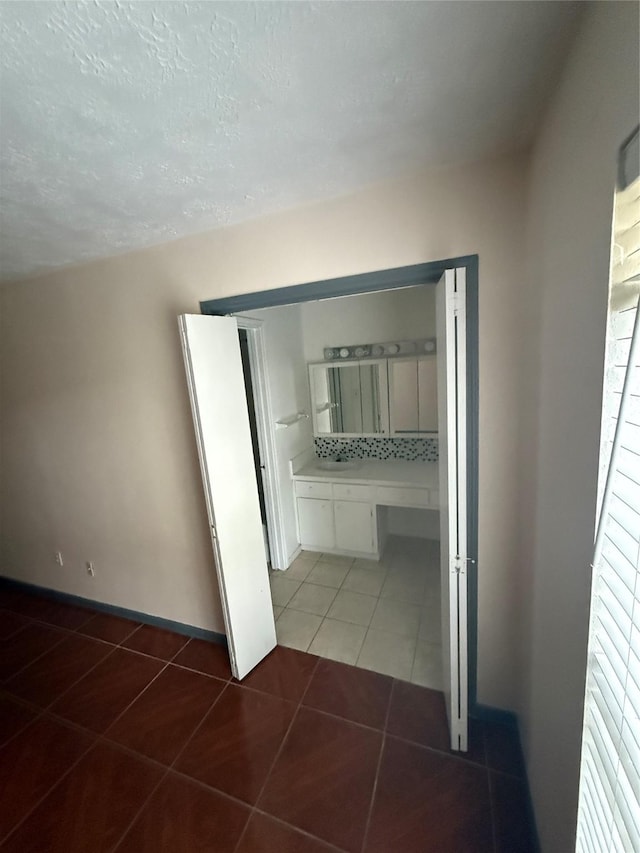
(452, 436)
(211, 351)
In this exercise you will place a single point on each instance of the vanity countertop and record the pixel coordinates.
(390, 472)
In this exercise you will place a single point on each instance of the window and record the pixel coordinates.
(609, 800)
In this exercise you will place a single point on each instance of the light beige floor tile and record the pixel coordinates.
(282, 589)
(431, 624)
(353, 607)
(328, 574)
(372, 565)
(427, 666)
(312, 598)
(365, 581)
(277, 611)
(388, 653)
(296, 629)
(398, 617)
(338, 641)
(401, 590)
(300, 568)
(338, 560)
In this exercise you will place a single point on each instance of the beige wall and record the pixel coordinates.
(563, 323)
(99, 451)
(392, 315)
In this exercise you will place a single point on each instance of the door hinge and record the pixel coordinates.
(459, 564)
(213, 532)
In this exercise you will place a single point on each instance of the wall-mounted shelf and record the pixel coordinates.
(283, 423)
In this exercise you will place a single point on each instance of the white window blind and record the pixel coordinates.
(609, 799)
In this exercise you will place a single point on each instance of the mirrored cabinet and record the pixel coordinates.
(413, 405)
(375, 397)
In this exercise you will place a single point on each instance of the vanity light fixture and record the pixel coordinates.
(383, 350)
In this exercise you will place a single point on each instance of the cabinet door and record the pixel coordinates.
(354, 526)
(315, 523)
(403, 395)
(428, 394)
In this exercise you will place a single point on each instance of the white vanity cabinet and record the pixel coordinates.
(346, 523)
(341, 516)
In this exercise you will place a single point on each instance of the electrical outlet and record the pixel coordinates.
(90, 569)
(59, 559)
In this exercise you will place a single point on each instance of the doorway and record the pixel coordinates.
(256, 440)
(466, 477)
(379, 612)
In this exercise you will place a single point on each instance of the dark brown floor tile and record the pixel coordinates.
(355, 694)
(514, 833)
(156, 642)
(322, 781)
(23, 648)
(10, 623)
(37, 607)
(113, 629)
(503, 749)
(32, 763)
(69, 616)
(234, 748)
(161, 720)
(43, 681)
(182, 817)
(284, 672)
(266, 835)
(419, 714)
(475, 743)
(101, 696)
(210, 658)
(12, 599)
(428, 802)
(90, 808)
(13, 717)
(54, 612)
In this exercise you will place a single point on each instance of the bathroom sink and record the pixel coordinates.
(334, 465)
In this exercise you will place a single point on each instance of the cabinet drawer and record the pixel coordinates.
(309, 489)
(397, 496)
(346, 492)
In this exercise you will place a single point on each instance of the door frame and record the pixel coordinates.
(428, 273)
(266, 437)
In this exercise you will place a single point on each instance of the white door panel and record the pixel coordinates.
(452, 419)
(216, 388)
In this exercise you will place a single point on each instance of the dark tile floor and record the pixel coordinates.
(119, 736)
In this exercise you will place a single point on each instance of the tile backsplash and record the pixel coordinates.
(410, 449)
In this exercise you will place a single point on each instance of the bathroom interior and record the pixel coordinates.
(353, 406)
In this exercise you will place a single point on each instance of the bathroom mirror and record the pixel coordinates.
(373, 397)
(350, 399)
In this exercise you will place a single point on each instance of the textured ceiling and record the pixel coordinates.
(129, 124)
